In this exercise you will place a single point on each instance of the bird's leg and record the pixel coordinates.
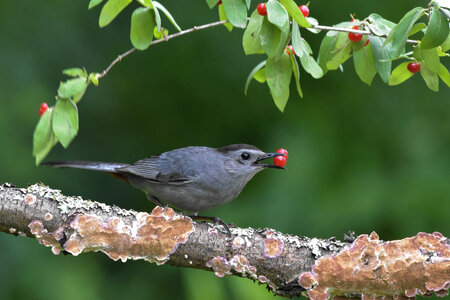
(215, 220)
(156, 201)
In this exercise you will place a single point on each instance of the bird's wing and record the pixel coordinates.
(148, 168)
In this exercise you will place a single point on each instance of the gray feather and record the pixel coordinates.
(87, 165)
(146, 168)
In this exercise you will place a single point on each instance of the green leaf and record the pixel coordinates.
(445, 75)
(285, 35)
(296, 71)
(110, 10)
(381, 57)
(270, 37)
(211, 3)
(252, 73)
(141, 32)
(430, 77)
(65, 121)
(223, 17)
(400, 74)
(251, 38)
(248, 3)
(160, 34)
(379, 25)
(94, 3)
(341, 52)
(295, 12)
(93, 77)
(297, 39)
(278, 74)
(417, 28)
(146, 3)
(260, 76)
(329, 45)
(43, 137)
(167, 14)
(429, 57)
(443, 3)
(75, 72)
(276, 14)
(446, 44)
(236, 12)
(303, 51)
(445, 11)
(437, 30)
(326, 47)
(157, 18)
(365, 64)
(72, 87)
(311, 66)
(399, 33)
(149, 4)
(313, 22)
(356, 46)
(281, 100)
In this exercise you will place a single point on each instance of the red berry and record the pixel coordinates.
(261, 8)
(367, 43)
(290, 49)
(43, 108)
(354, 37)
(304, 9)
(413, 67)
(279, 161)
(220, 2)
(284, 151)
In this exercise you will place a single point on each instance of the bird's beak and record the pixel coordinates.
(266, 156)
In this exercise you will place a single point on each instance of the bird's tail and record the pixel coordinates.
(87, 165)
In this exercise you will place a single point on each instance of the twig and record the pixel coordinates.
(119, 58)
(214, 24)
(365, 32)
(165, 39)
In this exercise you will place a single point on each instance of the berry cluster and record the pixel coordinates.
(262, 10)
(354, 37)
(413, 67)
(43, 108)
(280, 161)
(290, 49)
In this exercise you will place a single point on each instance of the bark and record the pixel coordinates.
(289, 265)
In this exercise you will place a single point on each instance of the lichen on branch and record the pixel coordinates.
(288, 265)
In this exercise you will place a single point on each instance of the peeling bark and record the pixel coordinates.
(288, 265)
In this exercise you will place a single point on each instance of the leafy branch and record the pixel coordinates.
(276, 33)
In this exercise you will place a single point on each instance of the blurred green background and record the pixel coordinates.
(360, 158)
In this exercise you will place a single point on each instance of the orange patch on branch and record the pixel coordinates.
(273, 247)
(48, 239)
(152, 237)
(403, 268)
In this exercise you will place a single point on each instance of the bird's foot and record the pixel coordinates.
(156, 201)
(215, 220)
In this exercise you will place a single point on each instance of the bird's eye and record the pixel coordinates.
(245, 155)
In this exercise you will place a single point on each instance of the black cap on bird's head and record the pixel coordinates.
(249, 155)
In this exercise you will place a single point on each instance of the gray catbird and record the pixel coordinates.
(192, 178)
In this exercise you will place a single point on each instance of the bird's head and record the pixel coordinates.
(246, 160)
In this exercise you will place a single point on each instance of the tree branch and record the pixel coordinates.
(217, 23)
(288, 265)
